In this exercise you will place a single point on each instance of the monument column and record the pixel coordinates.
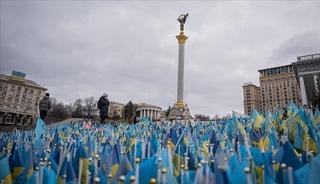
(303, 91)
(182, 38)
(180, 109)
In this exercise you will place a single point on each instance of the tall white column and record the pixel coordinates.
(181, 40)
(151, 113)
(303, 91)
(316, 84)
(180, 73)
(157, 114)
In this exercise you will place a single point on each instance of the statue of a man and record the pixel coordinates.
(182, 19)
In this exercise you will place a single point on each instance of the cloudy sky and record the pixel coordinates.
(128, 49)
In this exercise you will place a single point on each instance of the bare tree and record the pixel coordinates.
(69, 109)
(201, 117)
(58, 111)
(130, 112)
(78, 109)
(90, 105)
(216, 117)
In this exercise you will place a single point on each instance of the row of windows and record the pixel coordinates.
(29, 101)
(4, 87)
(20, 108)
(278, 70)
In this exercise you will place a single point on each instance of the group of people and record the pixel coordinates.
(103, 106)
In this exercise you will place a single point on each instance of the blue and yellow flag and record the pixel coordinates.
(5, 174)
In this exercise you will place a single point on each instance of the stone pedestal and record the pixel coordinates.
(180, 114)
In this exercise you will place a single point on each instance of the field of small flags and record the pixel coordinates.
(279, 147)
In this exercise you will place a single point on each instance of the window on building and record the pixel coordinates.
(9, 99)
(4, 93)
(31, 91)
(23, 100)
(19, 88)
(39, 92)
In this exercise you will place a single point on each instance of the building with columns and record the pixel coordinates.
(145, 110)
(19, 99)
(307, 71)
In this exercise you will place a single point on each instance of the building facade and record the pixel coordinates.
(116, 110)
(307, 71)
(145, 110)
(278, 87)
(251, 97)
(19, 99)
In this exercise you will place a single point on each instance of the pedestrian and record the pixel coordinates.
(103, 106)
(44, 106)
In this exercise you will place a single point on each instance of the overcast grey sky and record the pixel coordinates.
(128, 49)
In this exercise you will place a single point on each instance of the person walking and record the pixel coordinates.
(103, 106)
(44, 106)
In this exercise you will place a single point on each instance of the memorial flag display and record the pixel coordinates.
(278, 147)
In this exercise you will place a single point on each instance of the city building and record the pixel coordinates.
(307, 71)
(152, 112)
(116, 110)
(278, 87)
(19, 99)
(251, 97)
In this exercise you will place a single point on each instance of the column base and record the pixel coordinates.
(180, 112)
